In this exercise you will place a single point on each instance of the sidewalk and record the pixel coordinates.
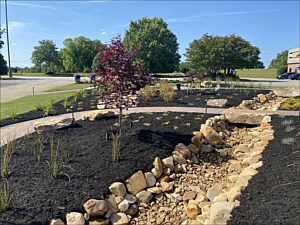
(18, 130)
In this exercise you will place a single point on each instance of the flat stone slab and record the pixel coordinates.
(287, 92)
(217, 102)
(245, 116)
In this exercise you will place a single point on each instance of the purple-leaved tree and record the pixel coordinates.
(119, 77)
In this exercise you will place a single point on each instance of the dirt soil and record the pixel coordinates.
(37, 198)
(195, 99)
(272, 196)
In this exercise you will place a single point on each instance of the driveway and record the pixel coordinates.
(22, 86)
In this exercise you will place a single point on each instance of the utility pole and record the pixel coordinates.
(8, 52)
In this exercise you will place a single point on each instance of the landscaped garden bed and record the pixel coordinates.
(37, 197)
(197, 98)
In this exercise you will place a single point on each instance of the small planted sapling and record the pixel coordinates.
(119, 77)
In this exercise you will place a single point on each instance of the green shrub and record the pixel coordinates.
(291, 103)
(282, 69)
(38, 107)
(166, 91)
(48, 110)
(148, 92)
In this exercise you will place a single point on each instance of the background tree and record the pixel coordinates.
(214, 53)
(78, 54)
(119, 76)
(280, 62)
(45, 56)
(151, 41)
(3, 63)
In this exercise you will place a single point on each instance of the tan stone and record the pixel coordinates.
(136, 183)
(57, 222)
(168, 163)
(150, 178)
(196, 140)
(245, 116)
(220, 212)
(193, 211)
(75, 218)
(144, 196)
(94, 207)
(210, 135)
(158, 168)
(118, 189)
(154, 190)
(183, 150)
(52, 124)
(212, 193)
(194, 149)
(97, 221)
(165, 187)
(190, 195)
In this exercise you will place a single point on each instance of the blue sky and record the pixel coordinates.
(272, 26)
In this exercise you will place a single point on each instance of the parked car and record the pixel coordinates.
(295, 76)
(49, 73)
(284, 75)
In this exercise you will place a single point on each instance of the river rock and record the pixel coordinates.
(144, 196)
(132, 210)
(194, 149)
(168, 163)
(123, 205)
(183, 150)
(150, 178)
(158, 168)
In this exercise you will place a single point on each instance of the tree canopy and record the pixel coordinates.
(78, 54)
(150, 40)
(280, 60)
(46, 54)
(3, 63)
(214, 53)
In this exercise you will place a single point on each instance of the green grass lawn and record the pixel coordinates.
(257, 73)
(28, 103)
(70, 87)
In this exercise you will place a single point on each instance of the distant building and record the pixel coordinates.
(293, 59)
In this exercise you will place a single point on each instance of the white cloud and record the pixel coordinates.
(16, 26)
(30, 5)
(14, 44)
(198, 17)
(103, 32)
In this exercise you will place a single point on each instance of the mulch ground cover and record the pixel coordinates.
(272, 196)
(181, 99)
(37, 197)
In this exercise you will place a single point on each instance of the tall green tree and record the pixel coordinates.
(46, 55)
(3, 63)
(280, 60)
(150, 40)
(217, 53)
(78, 54)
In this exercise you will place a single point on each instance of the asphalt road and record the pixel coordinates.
(22, 86)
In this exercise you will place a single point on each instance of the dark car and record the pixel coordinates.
(295, 76)
(284, 75)
(49, 73)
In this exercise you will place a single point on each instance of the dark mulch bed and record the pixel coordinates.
(272, 196)
(195, 99)
(37, 198)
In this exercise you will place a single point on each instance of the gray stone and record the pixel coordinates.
(130, 198)
(144, 196)
(119, 219)
(206, 148)
(151, 180)
(132, 210)
(123, 205)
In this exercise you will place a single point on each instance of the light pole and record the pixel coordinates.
(8, 52)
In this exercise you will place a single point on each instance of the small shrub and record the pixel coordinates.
(53, 164)
(38, 147)
(289, 128)
(291, 104)
(116, 146)
(287, 122)
(66, 103)
(13, 113)
(4, 195)
(148, 92)
(48, 110)
(38, 107)
(66, 156)
(288, 141)
(166, 91)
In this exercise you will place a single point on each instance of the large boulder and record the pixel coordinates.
(252, 117)
(52, 124)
